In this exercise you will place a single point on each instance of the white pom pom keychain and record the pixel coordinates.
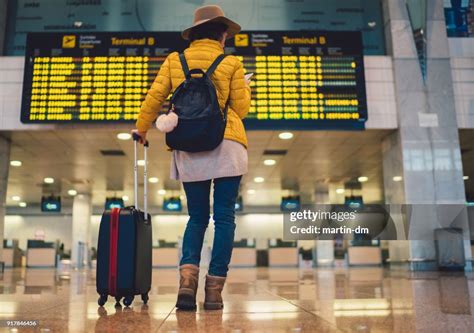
(167, 122)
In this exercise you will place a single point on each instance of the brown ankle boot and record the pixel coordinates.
(188, 285)
(214, 286)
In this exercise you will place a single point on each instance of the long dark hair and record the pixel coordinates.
(209, 30)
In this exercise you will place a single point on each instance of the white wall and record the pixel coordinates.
(463, 85)
(380, 89)
(462, 67)
(25, 227)
(168, 227)
(11, 80)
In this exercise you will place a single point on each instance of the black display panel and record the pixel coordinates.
(51, 204)
(302, 80)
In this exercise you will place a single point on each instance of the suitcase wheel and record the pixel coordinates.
(145, 298)
(102, 299)
(117, 300)
(127, 301)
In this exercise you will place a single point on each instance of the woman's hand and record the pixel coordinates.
(141, 136)
(248, 78)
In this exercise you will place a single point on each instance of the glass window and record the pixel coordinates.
(175, 15)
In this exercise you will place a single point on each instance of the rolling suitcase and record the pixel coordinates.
(124, 248)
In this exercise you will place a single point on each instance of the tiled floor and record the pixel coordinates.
(256, 300)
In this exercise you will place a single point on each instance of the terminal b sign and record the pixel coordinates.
(302, 79)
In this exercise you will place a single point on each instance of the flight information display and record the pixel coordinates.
(302, 80)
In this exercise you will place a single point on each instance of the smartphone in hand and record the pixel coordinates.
(248, 76)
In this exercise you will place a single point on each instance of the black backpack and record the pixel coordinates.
(201, 122)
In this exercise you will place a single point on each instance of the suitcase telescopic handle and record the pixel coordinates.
(136, 138)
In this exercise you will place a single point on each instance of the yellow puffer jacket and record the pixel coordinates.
(228, 79)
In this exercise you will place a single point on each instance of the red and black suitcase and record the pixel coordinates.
(124, 248)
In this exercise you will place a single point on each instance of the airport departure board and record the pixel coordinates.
(302, 80)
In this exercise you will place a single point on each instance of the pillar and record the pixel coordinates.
(81, 220)
(324, 248)
(424, 153)
(4, 166)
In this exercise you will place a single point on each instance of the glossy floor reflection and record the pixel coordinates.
(256, 300)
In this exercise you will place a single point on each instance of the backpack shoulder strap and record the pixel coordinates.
(184, 65)
(214, 65)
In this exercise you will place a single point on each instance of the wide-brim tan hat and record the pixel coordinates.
(212, 13)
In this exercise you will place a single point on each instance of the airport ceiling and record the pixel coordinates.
(310, 162)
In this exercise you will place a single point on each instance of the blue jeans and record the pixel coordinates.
(226, 191)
